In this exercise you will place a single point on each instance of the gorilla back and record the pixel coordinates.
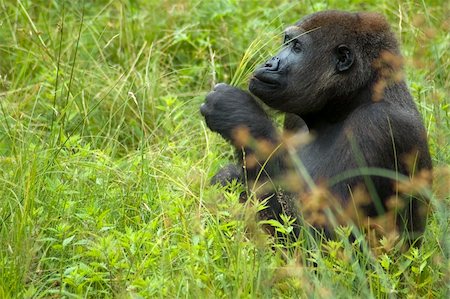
(339, 78)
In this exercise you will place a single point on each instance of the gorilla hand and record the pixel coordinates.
(228, 109)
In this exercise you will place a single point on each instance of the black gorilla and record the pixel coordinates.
(338, 77)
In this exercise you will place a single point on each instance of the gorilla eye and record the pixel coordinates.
(297, 46)
(295, 43)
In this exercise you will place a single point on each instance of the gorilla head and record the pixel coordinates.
(325, 58)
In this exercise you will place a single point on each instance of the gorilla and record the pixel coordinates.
(338, 79)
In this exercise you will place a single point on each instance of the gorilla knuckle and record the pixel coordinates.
(214, 97)
(221, 86)
(204, 109)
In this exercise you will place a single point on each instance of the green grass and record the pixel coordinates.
(105, 159)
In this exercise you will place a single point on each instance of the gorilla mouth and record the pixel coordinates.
(266, 79)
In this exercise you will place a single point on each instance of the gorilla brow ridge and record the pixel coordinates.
(296, 28)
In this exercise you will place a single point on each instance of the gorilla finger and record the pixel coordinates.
(204, 109)
(220, 86)
(212, 98)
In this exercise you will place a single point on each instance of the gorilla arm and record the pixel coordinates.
(239, 119)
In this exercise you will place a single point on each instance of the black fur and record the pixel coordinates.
(337, 76)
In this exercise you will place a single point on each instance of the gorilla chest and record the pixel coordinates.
(325, 157)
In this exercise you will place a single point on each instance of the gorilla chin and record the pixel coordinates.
(264, 88)
(270, 78)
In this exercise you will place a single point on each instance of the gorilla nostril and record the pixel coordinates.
(272, 64)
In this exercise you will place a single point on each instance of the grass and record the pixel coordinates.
(105, 160)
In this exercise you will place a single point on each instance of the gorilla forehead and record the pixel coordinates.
(367, 31)
(356, 22)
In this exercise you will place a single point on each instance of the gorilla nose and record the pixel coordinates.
(272, 64)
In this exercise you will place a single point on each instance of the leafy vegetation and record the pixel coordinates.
(105, 160)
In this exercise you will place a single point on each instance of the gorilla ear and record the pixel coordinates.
(344, 58)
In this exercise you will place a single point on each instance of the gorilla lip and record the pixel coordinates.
(264, 80)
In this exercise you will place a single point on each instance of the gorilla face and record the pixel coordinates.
(299, 79)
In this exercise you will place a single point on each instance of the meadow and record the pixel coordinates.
(105, 160)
